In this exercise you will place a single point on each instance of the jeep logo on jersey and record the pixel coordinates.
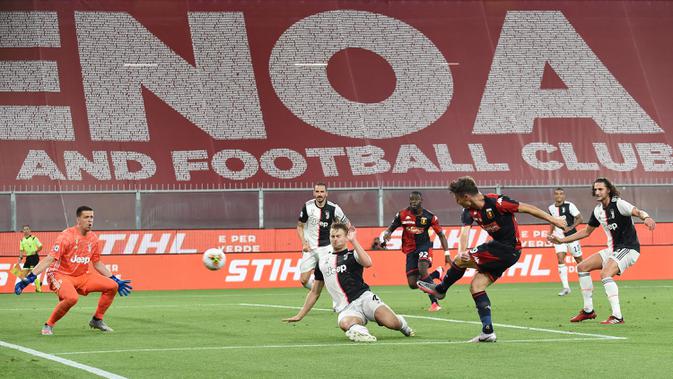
(612, 226)
(341, 268)
(323, 224)
(80, 260)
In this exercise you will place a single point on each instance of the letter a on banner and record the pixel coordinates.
(513, 98)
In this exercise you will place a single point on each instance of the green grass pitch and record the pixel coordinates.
(239, 333)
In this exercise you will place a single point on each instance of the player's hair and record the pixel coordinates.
(25, 226)
(611, 187)
(464, 185)
(320, 184)
(340, 226)
(559, 189)
(417, 193)
(83, 208)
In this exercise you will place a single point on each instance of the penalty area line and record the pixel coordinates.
(63, 361)
(595, 336)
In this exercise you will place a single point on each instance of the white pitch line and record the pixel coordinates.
(338, 344)
(67, 362)
(601, 336)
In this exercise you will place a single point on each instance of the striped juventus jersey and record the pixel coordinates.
(317, 221)
(617, 223)
(342, 275)
(567, 210)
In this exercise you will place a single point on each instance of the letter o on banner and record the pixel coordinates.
(298, 69)
(219, 164)
(269, 165)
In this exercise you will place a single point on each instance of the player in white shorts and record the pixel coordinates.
(567, 210)
(615, 216)
(315, 219)
(341, 272)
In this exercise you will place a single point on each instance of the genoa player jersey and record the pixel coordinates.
(342, 275)
(415, 235)
(497, 218)
(317, 221)
(618, 225)
(72, 252)
(567, 210)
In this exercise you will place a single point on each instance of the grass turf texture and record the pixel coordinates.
(239, 333)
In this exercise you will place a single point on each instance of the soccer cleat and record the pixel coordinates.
(613, 320)
(583, 316)
(100, 325)
(430, 289)
(38, 285)
(356, 336)
(407, 331)
(435, 307)
(483, 337)
(47, 330)
(565, 291)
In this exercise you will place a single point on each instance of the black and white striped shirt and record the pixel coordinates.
(567, 210)
(617, 223)
(342, 275)
(317, 221)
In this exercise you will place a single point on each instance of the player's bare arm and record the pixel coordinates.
(300, 232)
(645, 217)
(360, 254)
(583, 233)
(100, 267)
(463, 237)
(539, 213)
(443, 241)
(311, 298)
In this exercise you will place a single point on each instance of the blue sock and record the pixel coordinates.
(484, 309)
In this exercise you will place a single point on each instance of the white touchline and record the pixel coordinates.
(199, 348)
(67, 362)
(459, 322)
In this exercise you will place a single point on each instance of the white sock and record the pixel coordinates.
(309, 282)
(563, 274)
(587, 287)
(403, 322)
(612, 291)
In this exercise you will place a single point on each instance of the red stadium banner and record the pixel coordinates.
(256, 270)
(270, 258)
(178, 242)
(213, 94)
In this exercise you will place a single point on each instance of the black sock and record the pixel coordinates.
(484, 309)
(434, 274)
(452, 276)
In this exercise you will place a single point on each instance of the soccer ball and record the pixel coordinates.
(213, 259)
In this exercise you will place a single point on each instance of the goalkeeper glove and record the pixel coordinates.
(23, 283)
(122, 286)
